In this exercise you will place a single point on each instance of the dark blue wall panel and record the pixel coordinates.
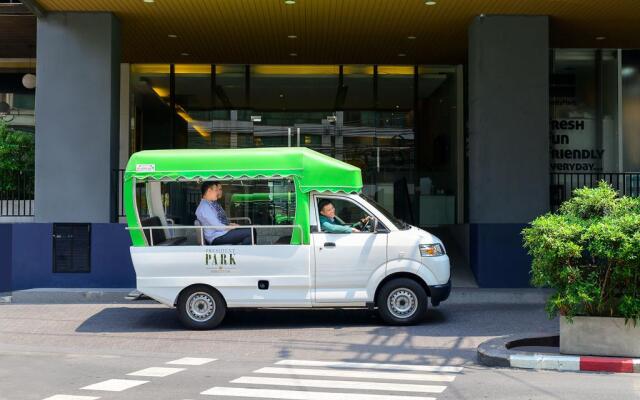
(111, 265)
(32, 256)
(33, 259)
(5, 257)
(498, 259)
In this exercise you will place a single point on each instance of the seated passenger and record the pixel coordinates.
(210, 213)
(331, 224)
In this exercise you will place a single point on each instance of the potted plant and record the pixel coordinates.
(589, 252)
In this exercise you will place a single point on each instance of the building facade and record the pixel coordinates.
(466, 120)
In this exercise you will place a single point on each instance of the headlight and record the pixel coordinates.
(431, 250)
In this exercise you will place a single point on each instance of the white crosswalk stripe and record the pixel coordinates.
(361, 381)
(332, 384)
(299, 395)
(157, 372)
(114, 385)
(191, 361)
(396, 367)
(356, 374)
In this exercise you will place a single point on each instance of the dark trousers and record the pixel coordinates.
(235, 236)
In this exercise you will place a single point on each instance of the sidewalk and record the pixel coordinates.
(459, 295)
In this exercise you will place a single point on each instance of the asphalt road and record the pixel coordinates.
(139, 351)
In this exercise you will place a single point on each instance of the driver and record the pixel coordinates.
(331, 224)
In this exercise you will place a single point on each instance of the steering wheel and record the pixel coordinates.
(367, 226)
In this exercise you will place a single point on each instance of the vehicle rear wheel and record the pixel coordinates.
(402, 301)
(201, 307)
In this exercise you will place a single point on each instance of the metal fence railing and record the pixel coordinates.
(563, 184)
(16, 193)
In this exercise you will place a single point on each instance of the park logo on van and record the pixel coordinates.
(145, 168)
(220, 260)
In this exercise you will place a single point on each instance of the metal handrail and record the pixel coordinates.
(240, 219)
(220, 227)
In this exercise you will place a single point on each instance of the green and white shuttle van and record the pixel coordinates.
(291, 263)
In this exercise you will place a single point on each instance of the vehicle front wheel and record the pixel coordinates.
(201, 307)
(402, 301)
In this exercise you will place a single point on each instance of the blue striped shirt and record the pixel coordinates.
(210, 213)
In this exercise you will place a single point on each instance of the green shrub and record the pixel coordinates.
(589, 252)
(17, 155)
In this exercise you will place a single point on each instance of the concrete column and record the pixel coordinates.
(77, 118)
(508, 141)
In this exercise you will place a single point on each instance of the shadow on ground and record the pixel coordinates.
(453, 320)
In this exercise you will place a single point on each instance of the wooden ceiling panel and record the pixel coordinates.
(342, 31)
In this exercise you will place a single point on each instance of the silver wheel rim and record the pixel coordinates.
(402, 303)
(201, 306)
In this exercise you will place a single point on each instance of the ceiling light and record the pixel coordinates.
(172, 36)
(149, 1)
(293, 54)
(184, 54)
(29, 81)
(601, 37)
(401, 54)
(292, 37)
(430, 3)
(411, 37)
(289, 2)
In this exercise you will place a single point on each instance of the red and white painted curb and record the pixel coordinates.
(574, 363)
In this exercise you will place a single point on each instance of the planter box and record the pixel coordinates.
(599, 336)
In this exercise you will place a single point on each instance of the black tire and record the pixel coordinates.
(402, 301)
(201, 308)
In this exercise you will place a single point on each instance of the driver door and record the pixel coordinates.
(346, 261)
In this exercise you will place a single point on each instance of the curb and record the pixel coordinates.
(70, 296)
(496, 353)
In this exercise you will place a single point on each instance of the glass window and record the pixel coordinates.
(584, 119)
(631, 113)
(172, 205)
(194, 102)
(17, 103)
(404, 152)
(396, 222)
(357, 88)
(584, 111)
(344, 213)
(395, 87)
(438, 167)
(151, 111)
(294, 87)
(230, 87)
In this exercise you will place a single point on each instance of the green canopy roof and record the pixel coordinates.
(313, 170)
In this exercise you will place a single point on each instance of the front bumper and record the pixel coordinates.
(440, 293)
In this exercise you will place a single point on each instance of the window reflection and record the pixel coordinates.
(403, 137)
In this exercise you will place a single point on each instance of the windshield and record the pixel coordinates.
(395, 221)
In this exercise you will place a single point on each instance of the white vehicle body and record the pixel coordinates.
(334, 270)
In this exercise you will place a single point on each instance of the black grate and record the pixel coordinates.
(71, 247)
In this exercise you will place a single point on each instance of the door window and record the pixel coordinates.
(343, 216)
